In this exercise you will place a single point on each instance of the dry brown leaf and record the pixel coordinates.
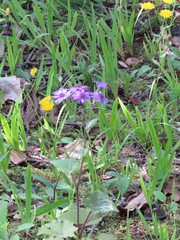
(176, 41)
(11, 88)
(106, 177)
(139, 201)
(128, 150)
(17, 157)
(73, 150)
(132, 61)
(168, 189)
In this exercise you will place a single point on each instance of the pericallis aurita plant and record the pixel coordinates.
(81, 94)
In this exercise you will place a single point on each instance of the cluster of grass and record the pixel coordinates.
(81, 43)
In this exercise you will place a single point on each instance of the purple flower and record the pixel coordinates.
(79, 88)
(81, 96)
(99, 97)
(101, 84)
(61, 95)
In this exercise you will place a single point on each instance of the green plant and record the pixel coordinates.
(113, 127)
(127, 28)
(14, 133)
(159, 230)
(151, 46)
(109, 63)
(4, 155)
(140, 128)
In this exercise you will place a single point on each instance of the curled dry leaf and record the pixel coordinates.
(11, 88)
(139, 201)
(122, 64)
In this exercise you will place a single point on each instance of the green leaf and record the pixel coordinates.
(15, 237)
(159, 196)
(91, 124)
(99, 201)
(57, 229)
(28, 194)
(3, 220)
(50, 206)
(24, 226)
(143, 70)
(174, 206)
(71, 216)
(66, 166)
(121, 181)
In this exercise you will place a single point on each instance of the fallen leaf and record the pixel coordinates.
(133, 100)
(167, 189)
(128, 150)
(176, 41)
(17, 157)
(132, 61)
(11, 88)
(106, 177)
(139, 201)
(73, 150)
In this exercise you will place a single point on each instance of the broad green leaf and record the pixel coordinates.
(66, 166)
(100, 202)
(174, 207)
(91, 124)
(24, 226)
(57, 229)
(71, 216)
(15, 237)
(159, 196)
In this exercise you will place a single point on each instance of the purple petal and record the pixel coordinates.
(61, 94)
(99, 97)
(101, 84)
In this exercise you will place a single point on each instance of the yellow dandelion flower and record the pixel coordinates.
(8, 11)
(165, 13)
(47, 107)
(168, 1)
(45, 100)
(33, 71)
(147, 6)
(46, 104)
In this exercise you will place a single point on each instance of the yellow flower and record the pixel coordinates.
(33, 71)
(45, 100)
(46, 104)
(166, 13)
(168, 1)
(8, 11)
(47, 107)
(147, 6)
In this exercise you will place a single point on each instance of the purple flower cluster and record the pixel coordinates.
(81, 94)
